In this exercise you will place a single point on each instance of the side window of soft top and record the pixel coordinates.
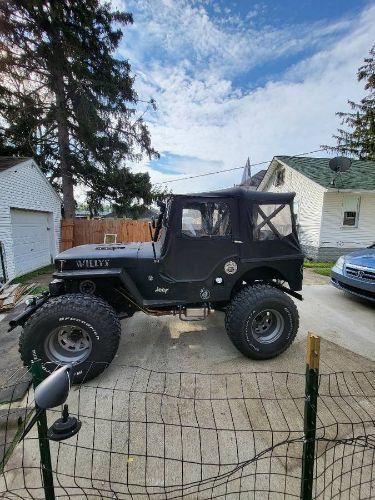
(272, 221)
(200, 219)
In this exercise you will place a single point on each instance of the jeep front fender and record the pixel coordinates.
(121, 274)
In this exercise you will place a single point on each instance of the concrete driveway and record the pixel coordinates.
(341, 318)
(165, 343)
(346, 325)
(142, 429)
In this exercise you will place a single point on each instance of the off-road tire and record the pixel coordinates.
(245, 306)
(98, 318)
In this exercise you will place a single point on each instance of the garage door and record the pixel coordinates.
(31, 240)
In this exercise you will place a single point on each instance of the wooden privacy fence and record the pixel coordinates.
(76, 232)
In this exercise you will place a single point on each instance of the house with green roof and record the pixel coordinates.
(335, 212)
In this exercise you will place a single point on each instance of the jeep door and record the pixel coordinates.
(203, 240)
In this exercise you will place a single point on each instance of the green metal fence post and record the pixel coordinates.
(45, 452)
(311, 401)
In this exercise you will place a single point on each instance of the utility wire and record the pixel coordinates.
(234, 168)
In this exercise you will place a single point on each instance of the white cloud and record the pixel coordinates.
(226, 45)
(201, 115)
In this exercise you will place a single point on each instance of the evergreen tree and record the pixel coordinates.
(359, 140)
(66, 100)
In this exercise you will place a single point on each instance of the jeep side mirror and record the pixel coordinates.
(54, 390)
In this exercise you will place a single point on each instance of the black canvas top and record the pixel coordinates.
(244, 194)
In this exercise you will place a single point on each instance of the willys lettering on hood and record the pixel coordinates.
(92, 263)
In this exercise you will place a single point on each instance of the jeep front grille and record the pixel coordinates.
(360, 273)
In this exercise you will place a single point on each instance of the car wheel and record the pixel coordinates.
(261, 321)
(75, 328)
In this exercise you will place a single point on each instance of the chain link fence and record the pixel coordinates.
(159, 435)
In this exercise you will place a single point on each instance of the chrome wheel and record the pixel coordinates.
(68, 344)
(267, 326)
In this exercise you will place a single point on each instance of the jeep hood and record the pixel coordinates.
(99, 256)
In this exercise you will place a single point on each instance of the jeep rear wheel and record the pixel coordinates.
(261, 321)
(75, 328)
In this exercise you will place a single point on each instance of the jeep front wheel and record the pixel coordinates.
(75, 328)
(261, 321)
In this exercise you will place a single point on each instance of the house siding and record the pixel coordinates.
(25, 187)
(309, 197)
(320, 214)
(336, 239)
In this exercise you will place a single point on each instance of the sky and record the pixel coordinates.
(238, 79)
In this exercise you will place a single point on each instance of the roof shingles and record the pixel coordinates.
(10, 161)
(361, 174)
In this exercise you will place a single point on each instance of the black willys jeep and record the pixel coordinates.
(233, 250)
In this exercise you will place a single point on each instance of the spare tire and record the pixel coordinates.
(75, 328)
(261, 321)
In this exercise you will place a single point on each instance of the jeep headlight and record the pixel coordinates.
(340, 263)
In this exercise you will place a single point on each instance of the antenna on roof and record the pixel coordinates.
(338, 165)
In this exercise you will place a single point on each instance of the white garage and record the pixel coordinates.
(30, 215)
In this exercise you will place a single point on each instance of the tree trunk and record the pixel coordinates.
(56, 68)
(64, 151)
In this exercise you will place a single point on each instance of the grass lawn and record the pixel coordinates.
(30, 277)
(38, 290)
(323, 268)
(26, 278)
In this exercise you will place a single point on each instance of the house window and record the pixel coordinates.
(351, 211)
(206, 219)
(280, 177)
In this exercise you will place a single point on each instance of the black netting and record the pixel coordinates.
(172, 435)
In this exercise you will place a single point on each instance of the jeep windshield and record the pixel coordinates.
(161, 222)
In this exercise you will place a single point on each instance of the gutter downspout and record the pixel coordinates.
(2, 261)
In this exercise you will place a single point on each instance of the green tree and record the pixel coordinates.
(358, 138)
(68, 101)
(125, 191)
